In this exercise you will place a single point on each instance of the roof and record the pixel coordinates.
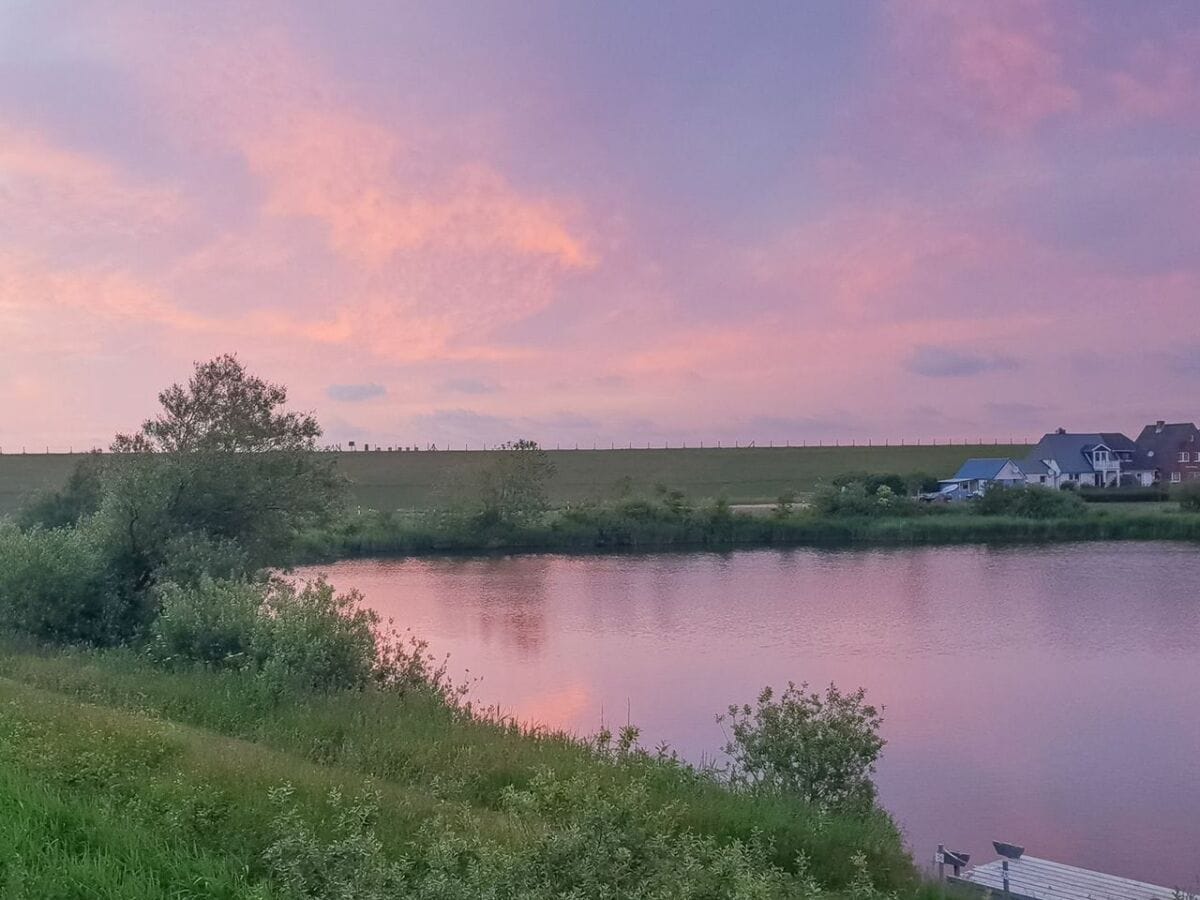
(1030, 878)
(1118, 442)
(1067, 450)
(1157, 448)
(1033, 467)
(980, 468)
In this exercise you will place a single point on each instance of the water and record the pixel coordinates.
(1046, 696)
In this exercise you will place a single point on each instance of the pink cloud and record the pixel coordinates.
(47, 191)
(1161, 80)
(996, 68)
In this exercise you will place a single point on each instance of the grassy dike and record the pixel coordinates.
(428, 480)
(119, 779)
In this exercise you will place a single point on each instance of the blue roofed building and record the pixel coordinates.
(980, 474)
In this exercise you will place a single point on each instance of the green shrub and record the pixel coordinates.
(1189, 496)
(211, 622)
(302, 636)
(1124, 495)
(55, 585)
(581, 837)
(79, 498)
(820, 749)
(318, 638)
(1030, 503)
(855, 499)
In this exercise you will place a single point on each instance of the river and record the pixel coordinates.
(1046, 696)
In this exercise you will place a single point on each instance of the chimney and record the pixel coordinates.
(1060, 431)
(1159, 425)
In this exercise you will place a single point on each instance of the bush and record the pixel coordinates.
(1124, 495)
(302, 636)
(581, 837)
(873, 481)
(1189, 496)
(79, 498)
(212, 622)
(55, 585)
(1030, 503)
(820, 749)
(855, 499)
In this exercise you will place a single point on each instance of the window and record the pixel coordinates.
(1183, 456)
(1197, 457)
(1175, 479)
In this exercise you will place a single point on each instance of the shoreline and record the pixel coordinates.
(390, 539)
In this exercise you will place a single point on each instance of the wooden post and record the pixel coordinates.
(1004, 872)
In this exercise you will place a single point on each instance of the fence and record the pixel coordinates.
(368, 447)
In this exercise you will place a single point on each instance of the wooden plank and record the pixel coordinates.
(1031, 878)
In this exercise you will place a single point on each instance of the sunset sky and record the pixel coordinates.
(618, 221)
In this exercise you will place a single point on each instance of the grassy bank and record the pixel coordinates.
(644, 526)
(425, 480)
(120, 779)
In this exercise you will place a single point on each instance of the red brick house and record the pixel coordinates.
(1173, 450)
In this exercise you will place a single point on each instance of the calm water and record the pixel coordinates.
(1049, 697)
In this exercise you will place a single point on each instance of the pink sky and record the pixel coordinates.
(578, 222)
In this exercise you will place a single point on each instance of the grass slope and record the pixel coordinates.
(118, 779)
(422, 480)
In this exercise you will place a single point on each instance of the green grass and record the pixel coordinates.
(179, 764)
(424, 480)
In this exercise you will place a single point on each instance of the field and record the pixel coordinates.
(741, 475)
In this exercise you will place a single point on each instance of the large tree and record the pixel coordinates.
(223, 408)
(222, 480)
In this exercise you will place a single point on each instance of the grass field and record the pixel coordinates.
(421, 480)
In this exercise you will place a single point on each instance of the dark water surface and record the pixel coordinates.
(1046, 696)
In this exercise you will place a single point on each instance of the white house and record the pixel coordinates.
(1098, 459)
(979, 474)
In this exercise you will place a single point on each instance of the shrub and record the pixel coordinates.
(581, 837)
(55, 586)
(316, 637)
(821, 749)
(1030, 503)
(1124, 495)
(855, 499)
(302, 636)
(212, 622)
(80, 497)
(513, 489)
(873, 481)
(1189, 496)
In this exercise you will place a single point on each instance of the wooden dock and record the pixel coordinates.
(1030, 878)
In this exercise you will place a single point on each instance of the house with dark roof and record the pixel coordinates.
(980, 474)
(1172, 450)
(1092, 459)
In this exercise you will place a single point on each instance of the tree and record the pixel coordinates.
(821, 749)
(80, 497)
(219, 483)
(513, 488)
(223, 409)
